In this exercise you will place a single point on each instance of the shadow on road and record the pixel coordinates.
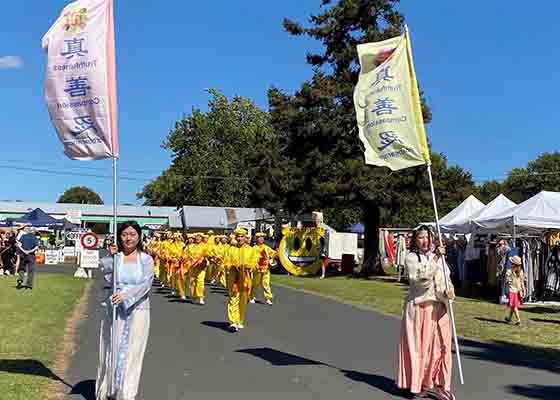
(29, 367)
(282, 359)
(85, 388)
(516, 355)
(538, 392)
(224, 326)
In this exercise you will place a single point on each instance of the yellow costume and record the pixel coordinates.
(175, 254)
(197, 253)
(241, 260)
(261, 276)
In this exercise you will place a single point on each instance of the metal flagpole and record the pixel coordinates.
(114, 337)
(456, 341)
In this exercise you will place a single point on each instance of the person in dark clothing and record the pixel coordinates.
(27, 246)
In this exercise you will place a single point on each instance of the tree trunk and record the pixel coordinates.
(371, 213)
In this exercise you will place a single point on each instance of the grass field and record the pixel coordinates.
(32, 326)
(476, 319)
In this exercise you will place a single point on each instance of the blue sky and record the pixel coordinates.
(488, 69)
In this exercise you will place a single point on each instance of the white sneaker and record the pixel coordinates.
(213, 281)
(233, 328)
(253, 300)
(269, 302)
(201, 302)
(240, 326)
(183, 298)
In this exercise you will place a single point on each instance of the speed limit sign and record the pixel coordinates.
(89, 241)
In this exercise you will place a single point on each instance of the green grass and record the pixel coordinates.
(475, 319)
(32, 326)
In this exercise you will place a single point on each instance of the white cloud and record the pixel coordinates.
(9, 62)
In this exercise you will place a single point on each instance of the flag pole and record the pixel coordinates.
(450, 302)
(114, 337)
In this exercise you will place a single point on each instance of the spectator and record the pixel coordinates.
(27, 246)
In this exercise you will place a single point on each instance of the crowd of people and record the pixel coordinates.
(17, 255)
(195, 259)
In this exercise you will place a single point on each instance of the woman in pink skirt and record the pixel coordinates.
(425, 358)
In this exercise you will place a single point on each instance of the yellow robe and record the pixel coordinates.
(240, 263)
(197, 254)
(261, 276)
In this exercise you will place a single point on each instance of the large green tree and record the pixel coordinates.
(80, 195)
(317, 135)
(212, 155)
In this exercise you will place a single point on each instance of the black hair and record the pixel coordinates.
(413, 246)
(134, 225)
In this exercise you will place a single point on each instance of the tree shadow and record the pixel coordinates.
(538, 392)
(85, 388)
(495, 321)
(30, 367)
(541, 310)
(282, 359)
(224, 326)
(518, 355)
(547, 321)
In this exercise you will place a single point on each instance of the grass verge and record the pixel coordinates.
(475, 319)
(32, 329)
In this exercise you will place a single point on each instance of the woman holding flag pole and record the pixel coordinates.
(391, 127)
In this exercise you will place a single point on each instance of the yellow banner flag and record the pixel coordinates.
(387, 103)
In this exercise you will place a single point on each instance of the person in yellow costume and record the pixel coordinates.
(261, 276)
(164, 275)
(197, 253)
(241, 260)
(218, 256)
(208, 240)
(151, 249)
(175, 256)
(183, 271)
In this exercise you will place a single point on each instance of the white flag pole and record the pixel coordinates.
(451, 314)
(114, 337)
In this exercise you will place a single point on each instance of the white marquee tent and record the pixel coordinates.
(539, 213)
(461, 213)
(496, 206)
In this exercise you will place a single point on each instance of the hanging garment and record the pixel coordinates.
(552, 273)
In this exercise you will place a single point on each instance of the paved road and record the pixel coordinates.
(304, 347)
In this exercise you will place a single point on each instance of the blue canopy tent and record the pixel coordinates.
(39, 219)
(357, 228)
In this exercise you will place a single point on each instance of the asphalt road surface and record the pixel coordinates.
(303, 347)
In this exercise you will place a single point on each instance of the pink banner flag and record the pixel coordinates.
(80, 86)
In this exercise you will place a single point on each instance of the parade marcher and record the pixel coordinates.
(219, 254)
(197, 254)
(178, 285)
(135, 274)
(515, 285)
(241, 260)
(261, 276)
(425, 359)
(210, 243)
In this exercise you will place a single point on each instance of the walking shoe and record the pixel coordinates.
(240, 326)
(507, 319)
(183, 298)
(19, 285)
(213, 282)
(201, 302)
(253, 301)
(233, 328)
(269, 302)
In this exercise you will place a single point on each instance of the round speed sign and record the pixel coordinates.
(89, 241)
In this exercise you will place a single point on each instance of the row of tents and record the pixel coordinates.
(535, 215)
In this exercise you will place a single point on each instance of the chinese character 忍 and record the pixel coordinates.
(83, 124)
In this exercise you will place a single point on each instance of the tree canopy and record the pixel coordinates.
(80, 195)
(212, 155)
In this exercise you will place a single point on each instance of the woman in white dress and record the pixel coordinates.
(135, 274)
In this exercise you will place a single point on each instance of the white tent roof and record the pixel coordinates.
(540, 212)
(462, 212)
(496, 206)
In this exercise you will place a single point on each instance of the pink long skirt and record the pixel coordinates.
(425, 358)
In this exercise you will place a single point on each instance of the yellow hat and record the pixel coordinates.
(210, 232)
(260, 234)
(240, 232)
